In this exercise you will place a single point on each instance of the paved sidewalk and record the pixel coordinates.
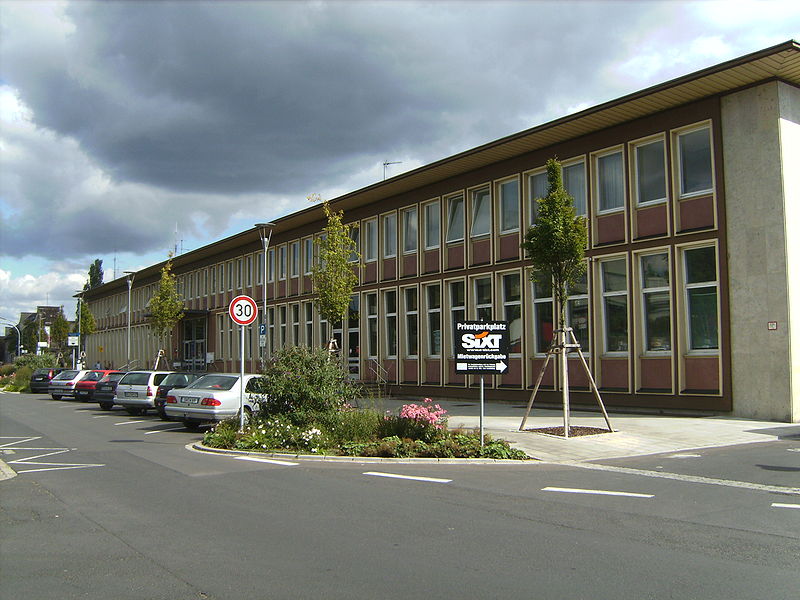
(633, 435)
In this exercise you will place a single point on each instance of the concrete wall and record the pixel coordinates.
(761, 153)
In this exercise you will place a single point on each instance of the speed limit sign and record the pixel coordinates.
(243, 310)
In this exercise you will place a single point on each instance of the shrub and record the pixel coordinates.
(21, 381)
(6, 370)
(305, 381)
(222, 435)
(36, 361)
(350, 425)
(424, 422)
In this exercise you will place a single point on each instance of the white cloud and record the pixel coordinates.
(25, 293)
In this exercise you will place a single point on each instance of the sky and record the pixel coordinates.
(132, 128)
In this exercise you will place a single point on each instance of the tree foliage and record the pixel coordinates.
(95, 275)
(333, 275)
(166, 306)
(556, 243)
(82, 312)
(59, 330)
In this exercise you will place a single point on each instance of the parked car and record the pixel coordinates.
(106, 388)
(84, 389)
(172, 381)
(40, 380)
(63, 384)
(213, 397)
(136, 391)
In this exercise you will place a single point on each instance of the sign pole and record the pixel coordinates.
(241, 383)
(482, 404)
(243, 311)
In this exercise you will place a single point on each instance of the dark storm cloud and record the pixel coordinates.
(286, 97)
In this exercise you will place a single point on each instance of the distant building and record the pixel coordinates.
(692, 295)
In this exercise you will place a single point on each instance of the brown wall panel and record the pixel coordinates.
(702, 373)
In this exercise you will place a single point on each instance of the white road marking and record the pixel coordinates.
(267, 460)
(793, 449)
(685, 456)
(599, 492)
(130, 422)
(50, 466)
(412, 478)
(160, 430)
(20, 440)
(779, 505)
(101, 416)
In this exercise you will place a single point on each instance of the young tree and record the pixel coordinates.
(333, 275)
(95, 275)
(556, 245)
(59, 330)
(82, 312)
(166, 306)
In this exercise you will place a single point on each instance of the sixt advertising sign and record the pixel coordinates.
(481, 346)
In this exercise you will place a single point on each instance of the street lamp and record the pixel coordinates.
(129, 275)
(265, 239)
(79, 296)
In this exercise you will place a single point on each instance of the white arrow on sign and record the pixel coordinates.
(501, 366)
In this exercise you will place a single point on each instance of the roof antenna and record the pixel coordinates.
(386, 163)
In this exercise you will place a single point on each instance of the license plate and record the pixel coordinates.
(131, 394)
(187, 400)
(82, 392)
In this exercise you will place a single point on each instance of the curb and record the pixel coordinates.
(199, 447)
(6, 472)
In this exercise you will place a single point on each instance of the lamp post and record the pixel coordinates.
(265, 239)
(129, 275)
(80, 301)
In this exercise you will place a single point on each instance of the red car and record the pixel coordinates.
(84, 389)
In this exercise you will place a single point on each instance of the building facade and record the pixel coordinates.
(693, 274)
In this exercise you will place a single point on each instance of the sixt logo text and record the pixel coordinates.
(472, 341)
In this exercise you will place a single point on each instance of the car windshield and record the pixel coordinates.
(136, 378)
(93, 376)
(66, 375)
(41, 371)
(215, 382)
(112, 377)
(177, 379)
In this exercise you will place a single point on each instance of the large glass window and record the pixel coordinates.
(651, 179)
(239, 269)
(610, 182)
(271, 330)
(282, 262)
(271, 265)
(615, 305)
(433, 297)
(412, 314)
(371, 240)
(308, 309)
(410, 230)
(656, 302)
(308, 255)
(295, 324)
(458, 304)
(578, 311)
(483, 298)
(294, 255)
(221, 272)
(574, 177)
(390, 314)
(260, 268)
(481, 213)
(509, 205)
(455, 219)
(537, 188)
(355, 236)
(694, 156)
(282, 325)
(512, 310)
(372, 325)
(248, 270)
(432, 225)
(543, 315)
(390, 235)
(700, 269)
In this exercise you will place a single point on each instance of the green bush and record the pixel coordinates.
(6, 370)
(305, 381)
(350, 425)
(36, 361)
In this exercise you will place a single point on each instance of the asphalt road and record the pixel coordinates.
(115, 507)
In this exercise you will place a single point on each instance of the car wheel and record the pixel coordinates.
(56, 396)
(134, 411)
(163, 415)
(193, 426)
(106, 405)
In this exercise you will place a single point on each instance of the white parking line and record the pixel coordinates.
(779, 505)
(130, 422)
(160, 430)
(102, 416)
(600, 492)
(267, 460)
(412, 478)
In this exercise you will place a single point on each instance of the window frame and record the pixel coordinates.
(530, 200)
(485, 205)
(389, 318)
(604, 320)
(431, 311)
(410, 314)
(634, 147)
(432, 207)
(568, 164)
(500, 186)
(644, 291)
(388, 242)
(506, 303)
(455, 200)
(596, 158)
(686, 312)
(371, 240)
(677, 134)
(406, 237)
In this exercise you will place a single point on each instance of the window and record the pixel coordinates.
(610, 182)
(371, 240)
(483, 298)
(271, 265)
(432, 226)
(260, 268)
(700, 271)
(214, 279)
(574, 177)
(694, 162)
(537, 188)
(651, 179)
(308, 309)
(271, 330)
(249, 271)
(458, 306)
(355, 235)
(481, 213)
(656, 302)
(410, 230)
(543, 315)
(221, 335)
(282, 326)
(390, 314)
(239, 269)
(512, 310)
(615, 305)
(372, 325)
(509, 205)
(578, 311)
(295, 324)
(455, 219)
(282, 262)
(308, 255)
(230, 274)
(390, 235)
(433, 298)
(412, 322)
(294, 259)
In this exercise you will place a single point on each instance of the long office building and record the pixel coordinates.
(691, 300)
